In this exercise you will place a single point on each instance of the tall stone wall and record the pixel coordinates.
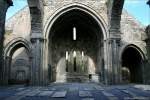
(18, 25)
(132, 32)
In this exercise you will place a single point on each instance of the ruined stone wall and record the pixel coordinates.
(132, 32)
(51, 6)
(18, 25)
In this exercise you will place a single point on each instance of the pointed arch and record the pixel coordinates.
(76, 6)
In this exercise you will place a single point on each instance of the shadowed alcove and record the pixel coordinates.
(132, 65)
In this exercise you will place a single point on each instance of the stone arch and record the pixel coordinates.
(33, 4)
(135, 47)
(80, 7)
(132, 58)
(9, 47)
(9, 50)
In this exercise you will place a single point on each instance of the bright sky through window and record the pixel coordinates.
(74, 33)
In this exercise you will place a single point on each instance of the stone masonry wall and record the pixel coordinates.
(52, 5)
(132, 32)
(18, 25)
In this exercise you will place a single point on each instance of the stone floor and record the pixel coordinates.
(76, 91)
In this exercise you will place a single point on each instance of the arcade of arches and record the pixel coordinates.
(76, 43)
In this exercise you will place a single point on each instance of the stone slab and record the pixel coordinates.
(136, 98)
(52, 89)
(143, 87)
(15, 97)
(44, 89)
(112, 98)
(20, 89)
(59, 94)
(129, 92)
(45, 93)
(99, 88)
(107, 94)
(32, 93)
(88, 99)
(85, 94)
(23, 92)
(88, 89)
(73, 88)
(121, 87)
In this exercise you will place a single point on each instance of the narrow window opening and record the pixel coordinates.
(82, 55)
(66, 61)
(74, 34)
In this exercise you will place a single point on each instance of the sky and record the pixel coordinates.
(137, 8)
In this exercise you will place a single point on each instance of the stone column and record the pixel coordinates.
(114, 18)
(106, 62)
(37, 40)
(3, 9)
(6, 70)
(37, 69)
(113, 70)
(147, 62)
(30, 64)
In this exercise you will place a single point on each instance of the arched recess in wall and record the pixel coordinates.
(90, 28)
(17, 70)
(132, 65)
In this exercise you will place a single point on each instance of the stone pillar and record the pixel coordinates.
(114, 17)
(113, 70)
(6, 70)
(147, 62)
(3, 9)
(37, 40)
(37, 70)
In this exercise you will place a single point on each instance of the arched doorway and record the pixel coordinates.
(132, 65)
(17, 66)
(75, 29)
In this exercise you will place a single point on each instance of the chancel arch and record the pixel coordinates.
(75, 29)
(17, 62)
(132, 65)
